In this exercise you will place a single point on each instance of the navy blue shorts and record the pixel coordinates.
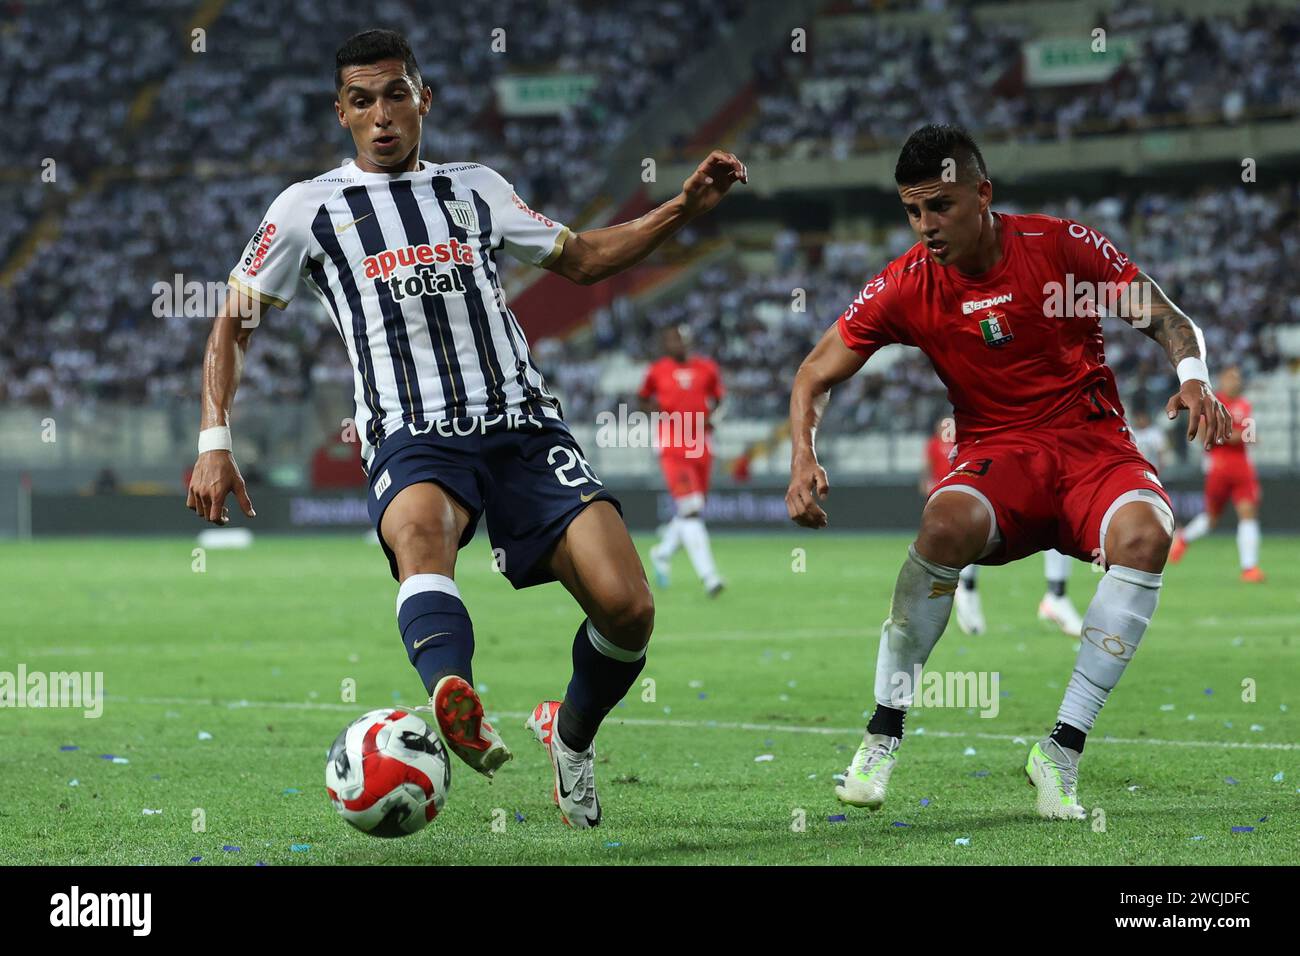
(531, 480)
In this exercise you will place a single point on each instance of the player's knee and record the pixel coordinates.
(1141, 543)
(952, 536)
(630, 618)
(421, 545)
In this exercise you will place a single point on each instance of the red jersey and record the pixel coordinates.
(937, 452)
(1016, 346)
(682, 387)
(1225, 454)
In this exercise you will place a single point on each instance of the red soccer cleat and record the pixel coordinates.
(1253, 576)
(1178, 549)
(459, 713)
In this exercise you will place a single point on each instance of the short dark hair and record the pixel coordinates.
(922, 157)
(371, 46)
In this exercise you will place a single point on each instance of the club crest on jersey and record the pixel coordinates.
(996, 329)
(462, 214)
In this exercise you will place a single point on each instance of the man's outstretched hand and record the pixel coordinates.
(705, 187)
(1206, 416)
(216, 475)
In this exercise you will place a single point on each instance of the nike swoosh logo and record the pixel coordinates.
(348, 225)
(425, 640)
(559, 782)
(586, 498)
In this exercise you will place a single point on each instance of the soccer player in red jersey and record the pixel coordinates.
(1231, 477)
(687, 390)
(1006, 308)
(1055, 608)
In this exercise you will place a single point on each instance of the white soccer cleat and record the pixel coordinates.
(970, 611)
(1054, 771)
(575, 778)
(1060, 612)
(868, 775)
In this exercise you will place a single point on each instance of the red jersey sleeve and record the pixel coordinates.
(871, 320)
(716, 390)
(1091, 257)
(648, 385)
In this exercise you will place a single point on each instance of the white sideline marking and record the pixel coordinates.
(714, 724)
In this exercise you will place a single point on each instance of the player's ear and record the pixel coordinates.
(426, 99)
(343, 117)
(985, 190)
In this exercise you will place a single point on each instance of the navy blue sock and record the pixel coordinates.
(602, 675)
(435, 628)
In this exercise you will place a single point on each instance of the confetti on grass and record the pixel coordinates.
(764, 758)
(837, 818)
(232, 849)
(288, 790)
(612, 843)
(204, 735)
(120, 760)
(900, 823)
(1279, 777)
(74, 782)
(69, 747)
(299, 847)
(1230, 781)
(195, 859)
(925, 801)
(149, 813)
(519, 817)
(1198, 838)
(1243, 829)
(961, 841)
(980, 773)
(968, 752)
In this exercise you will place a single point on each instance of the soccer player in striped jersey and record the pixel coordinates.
(454, 418)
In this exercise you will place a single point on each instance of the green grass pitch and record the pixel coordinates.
(254, 651)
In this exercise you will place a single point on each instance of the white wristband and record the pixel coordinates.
(1190, 369)
(214, 439)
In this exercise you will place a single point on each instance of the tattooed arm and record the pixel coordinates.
(1165, 323)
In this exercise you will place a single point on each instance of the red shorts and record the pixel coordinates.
(1055, 486)
(686, 476)
(1232, 479)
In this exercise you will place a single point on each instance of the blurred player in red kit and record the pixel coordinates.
(687, 390)
(1008, 309)
(1231, 477)
(1055, 608)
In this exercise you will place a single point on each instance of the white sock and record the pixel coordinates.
(1196, 527)
(696, 539)
(1057, 566)
(1248, 542)
(1117, 618)
(969, 575)
(918, 614)
(667, 545)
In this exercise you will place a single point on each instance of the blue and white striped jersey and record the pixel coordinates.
(405, 265)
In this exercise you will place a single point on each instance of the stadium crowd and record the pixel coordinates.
(174, 133)
(857, 90)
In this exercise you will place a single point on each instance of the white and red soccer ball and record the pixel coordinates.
(388, 773)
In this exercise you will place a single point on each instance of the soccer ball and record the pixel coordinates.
(388, 773)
